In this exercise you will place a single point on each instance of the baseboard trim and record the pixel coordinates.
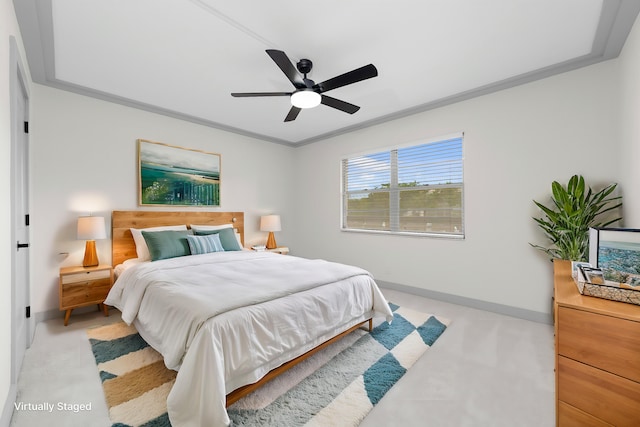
(48, 315)
(7, 410)
(57, 314)
(534, 316)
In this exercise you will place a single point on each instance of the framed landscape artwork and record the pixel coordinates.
(176, 176)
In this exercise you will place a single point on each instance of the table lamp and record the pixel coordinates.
(91, 228)
(270, 223)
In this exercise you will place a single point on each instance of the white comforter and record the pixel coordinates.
(224, 320)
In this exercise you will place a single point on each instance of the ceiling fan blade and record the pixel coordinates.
(247, 94)
(282, 60)
(293, 113)
(338, 104)
(357, 75)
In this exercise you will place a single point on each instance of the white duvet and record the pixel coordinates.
(224, 320)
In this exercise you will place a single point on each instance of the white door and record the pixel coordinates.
(20, 222)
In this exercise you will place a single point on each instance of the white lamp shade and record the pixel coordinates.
(91, 228)
(270, 223)
(306, 99)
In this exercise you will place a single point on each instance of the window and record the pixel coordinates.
(411, 189)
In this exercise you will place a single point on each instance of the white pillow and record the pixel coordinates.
(141, 245)
(196, 227)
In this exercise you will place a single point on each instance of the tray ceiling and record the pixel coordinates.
(183, 58)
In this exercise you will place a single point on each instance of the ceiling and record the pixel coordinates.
(183, 58)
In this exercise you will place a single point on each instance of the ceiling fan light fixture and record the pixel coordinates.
(307, 93)
(305, 98)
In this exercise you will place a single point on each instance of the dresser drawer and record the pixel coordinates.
(605, 342)
(83, 276)
(568, 416)
(609, 397)
(84, 293)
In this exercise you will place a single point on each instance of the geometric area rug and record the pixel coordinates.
(337, 386)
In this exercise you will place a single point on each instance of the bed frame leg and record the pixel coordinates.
(370, 325)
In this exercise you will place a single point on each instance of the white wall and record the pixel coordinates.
(517, 142)
(84, 159)
(629, 63)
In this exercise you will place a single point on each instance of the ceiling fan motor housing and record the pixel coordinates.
(304, 66)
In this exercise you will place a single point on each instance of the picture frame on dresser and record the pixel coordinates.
(616, 251)
(169, 175)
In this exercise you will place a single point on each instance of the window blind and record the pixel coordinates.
(414, 189)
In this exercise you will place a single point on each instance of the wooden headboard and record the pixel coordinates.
(123, 246)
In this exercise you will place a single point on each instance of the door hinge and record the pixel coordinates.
(28, 311)
(26, 127)
(26, 220)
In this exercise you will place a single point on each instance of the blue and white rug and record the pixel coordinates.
(338, 386)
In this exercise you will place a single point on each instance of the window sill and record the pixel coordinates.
(406, 233)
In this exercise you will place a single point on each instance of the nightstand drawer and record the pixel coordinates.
(84, 276)
(84, 293)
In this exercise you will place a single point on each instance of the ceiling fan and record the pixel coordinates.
(307, 93)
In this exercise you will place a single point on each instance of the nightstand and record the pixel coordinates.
(283, 250)
(82, 286)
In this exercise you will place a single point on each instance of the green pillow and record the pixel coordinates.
(227, 238)
(166, 244)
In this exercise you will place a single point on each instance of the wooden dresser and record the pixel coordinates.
(597, 357)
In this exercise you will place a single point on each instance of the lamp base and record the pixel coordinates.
(271, 241)
(90, 254)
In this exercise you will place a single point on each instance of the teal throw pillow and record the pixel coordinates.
(227, 238)
(166, 244)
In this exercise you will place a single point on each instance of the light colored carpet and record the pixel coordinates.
(487, 370)
(336, 387)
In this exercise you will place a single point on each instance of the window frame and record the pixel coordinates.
(389, 149)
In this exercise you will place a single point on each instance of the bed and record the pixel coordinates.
(230, 320)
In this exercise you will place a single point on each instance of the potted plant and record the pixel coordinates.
(575, 209)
